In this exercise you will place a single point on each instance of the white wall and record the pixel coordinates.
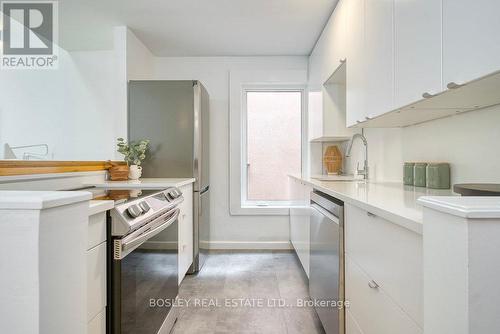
(214, 74)
(468, 141)
(69, 108)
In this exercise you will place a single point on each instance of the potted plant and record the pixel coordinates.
(134, 153)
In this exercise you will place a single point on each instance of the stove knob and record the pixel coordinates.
(144, 206)
(134, 211)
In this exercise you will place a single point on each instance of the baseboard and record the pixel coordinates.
(257, 245)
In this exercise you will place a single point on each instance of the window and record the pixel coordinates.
(272, 136)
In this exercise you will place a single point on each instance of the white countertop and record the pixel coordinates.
(392, 201)
(144, 183)
(36, 200)
(98, 206)
(475, 207)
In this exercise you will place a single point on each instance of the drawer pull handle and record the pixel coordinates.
(373, 285)
(453, 85)
(369, 214)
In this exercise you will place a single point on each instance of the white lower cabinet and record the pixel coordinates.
(299, 222)
(185, 231)
(375, 312)
(351, 326)
(389, 258)
(96, 274)
(98, 324)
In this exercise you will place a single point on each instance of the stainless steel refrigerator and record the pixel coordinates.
(174, 115)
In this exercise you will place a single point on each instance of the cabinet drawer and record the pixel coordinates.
(375, 312)
(96, 280)
(98, 324)
(390, 254)
(96, 230)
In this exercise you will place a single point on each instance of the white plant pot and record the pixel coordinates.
(134, 172)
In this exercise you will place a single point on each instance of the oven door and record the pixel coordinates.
(144, 281)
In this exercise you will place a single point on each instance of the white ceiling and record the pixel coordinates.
(198, 27)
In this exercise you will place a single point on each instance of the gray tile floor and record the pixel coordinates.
(245, 279)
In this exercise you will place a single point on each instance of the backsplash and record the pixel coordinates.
(469, 142)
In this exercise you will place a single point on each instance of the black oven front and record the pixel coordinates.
(143, 278)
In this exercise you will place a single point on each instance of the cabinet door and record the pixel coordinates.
(418, 41)
(339, 36)
(471, 46)
(315, 112)
(299, 224)
(186, 231)
(379, 57)
(96, 280)
(355, 86)
(98, 324)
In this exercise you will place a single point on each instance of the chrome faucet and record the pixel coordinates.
(363, 171)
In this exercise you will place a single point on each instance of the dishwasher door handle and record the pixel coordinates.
(325, 213)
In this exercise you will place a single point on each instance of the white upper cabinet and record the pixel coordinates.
(417, 49)
(471, 42)
(315, 112)
(356, 62)
(379, 57)
(339, 35)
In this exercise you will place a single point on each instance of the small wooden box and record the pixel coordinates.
(118, 171)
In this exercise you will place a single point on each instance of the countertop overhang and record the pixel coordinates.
(37, 200)
(474, 207)
(144, 183)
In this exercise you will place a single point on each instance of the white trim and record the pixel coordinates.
(29, 177)
(238, 80)
(250, 245)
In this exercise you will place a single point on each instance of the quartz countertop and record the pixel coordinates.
(390, 200)
(144, 183)
(475, 207)
(98, 206)
(37, 200)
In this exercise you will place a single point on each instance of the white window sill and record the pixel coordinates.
(259, 210)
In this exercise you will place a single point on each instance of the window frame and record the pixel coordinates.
(272, 88)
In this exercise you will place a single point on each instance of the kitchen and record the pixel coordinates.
(400, 97)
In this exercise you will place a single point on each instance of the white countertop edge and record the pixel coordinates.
(37, 200)
(47, 176)
(147, 183)
(408, 223)
(98, 206)
(466, 207)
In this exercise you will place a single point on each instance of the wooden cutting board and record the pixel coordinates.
(332, 160)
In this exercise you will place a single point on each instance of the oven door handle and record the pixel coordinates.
(123, 248)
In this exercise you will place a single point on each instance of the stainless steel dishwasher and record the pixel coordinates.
(326, 277)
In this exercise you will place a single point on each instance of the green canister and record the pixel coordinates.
(438, 175)
(419, 174)
(408, 173)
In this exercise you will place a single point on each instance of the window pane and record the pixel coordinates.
(273, 143)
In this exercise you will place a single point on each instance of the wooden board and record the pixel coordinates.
(21, 167)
